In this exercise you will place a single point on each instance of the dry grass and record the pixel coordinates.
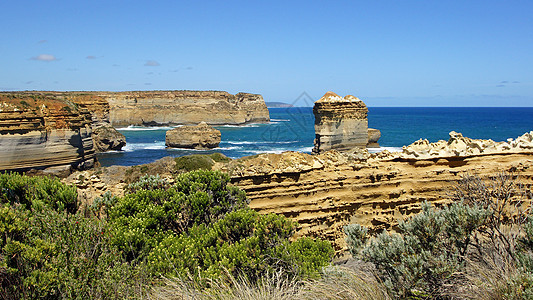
(337, 283)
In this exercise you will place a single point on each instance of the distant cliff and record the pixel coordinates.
(166, 107)
(274, 104)
(44, 132)
(185, 107)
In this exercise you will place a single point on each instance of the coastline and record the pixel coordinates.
(325, 192)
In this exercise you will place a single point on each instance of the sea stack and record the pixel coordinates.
(201, 136)
(341, 123)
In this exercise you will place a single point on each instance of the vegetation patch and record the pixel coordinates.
(485, 233)
(121, 247)
(194, 162)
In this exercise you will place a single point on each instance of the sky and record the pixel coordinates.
(388, 53)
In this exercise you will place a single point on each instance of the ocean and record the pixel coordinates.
(292, 129)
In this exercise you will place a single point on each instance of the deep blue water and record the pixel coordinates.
(293, 129)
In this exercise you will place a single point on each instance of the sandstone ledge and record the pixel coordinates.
(40, 132)
(325, 192)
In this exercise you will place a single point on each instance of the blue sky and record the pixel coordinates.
(388, 53)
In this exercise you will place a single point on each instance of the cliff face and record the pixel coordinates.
(340, 123)
(185, 107)
(325, 192)
(96, 104)
(40, 131)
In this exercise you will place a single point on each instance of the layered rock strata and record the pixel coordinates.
(185, 107)
(325, 192)
(341, 124)
(43, 132)
(162, 108)
(105, 136)
(201, 136)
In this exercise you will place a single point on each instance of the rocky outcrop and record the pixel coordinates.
(161, 108)
(340, 123)
(201, 136)
(373, 138)
(460, 146)
(96, 104)
(107, 138)
(44, 132)
(185, 107)
(325, 192)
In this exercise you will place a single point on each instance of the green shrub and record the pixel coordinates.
(103, 203)
(242, 243)
(148, 182)
(51, 253)
(430, 248)
(142, 219)
(219, 157)
(202, 226)
(37, 192)
(194, 162)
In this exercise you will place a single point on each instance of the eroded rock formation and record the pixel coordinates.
(342, 124)
(44, 132)
(107, 138)
(328, 191)
(160, 108)
(373, 138)
(201, 136)
(325, 192)
(185, 107)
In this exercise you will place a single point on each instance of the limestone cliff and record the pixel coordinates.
(340, 123)
(44, 132)
(325, 192)
(185, 107)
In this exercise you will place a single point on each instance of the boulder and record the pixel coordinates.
(373, 138)
(201, 136)
(107, 138)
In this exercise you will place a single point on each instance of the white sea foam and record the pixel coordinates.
(144, 146)
(241, 126)
(276, 151)
(146, 128)
(228, 148)
(306, 149)
(279, 120)
(279, 150)
(390, 149)
(258, 142)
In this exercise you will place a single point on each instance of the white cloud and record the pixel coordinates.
(44, 57)
(151, 63)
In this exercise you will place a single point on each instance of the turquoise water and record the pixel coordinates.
(293, 129)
